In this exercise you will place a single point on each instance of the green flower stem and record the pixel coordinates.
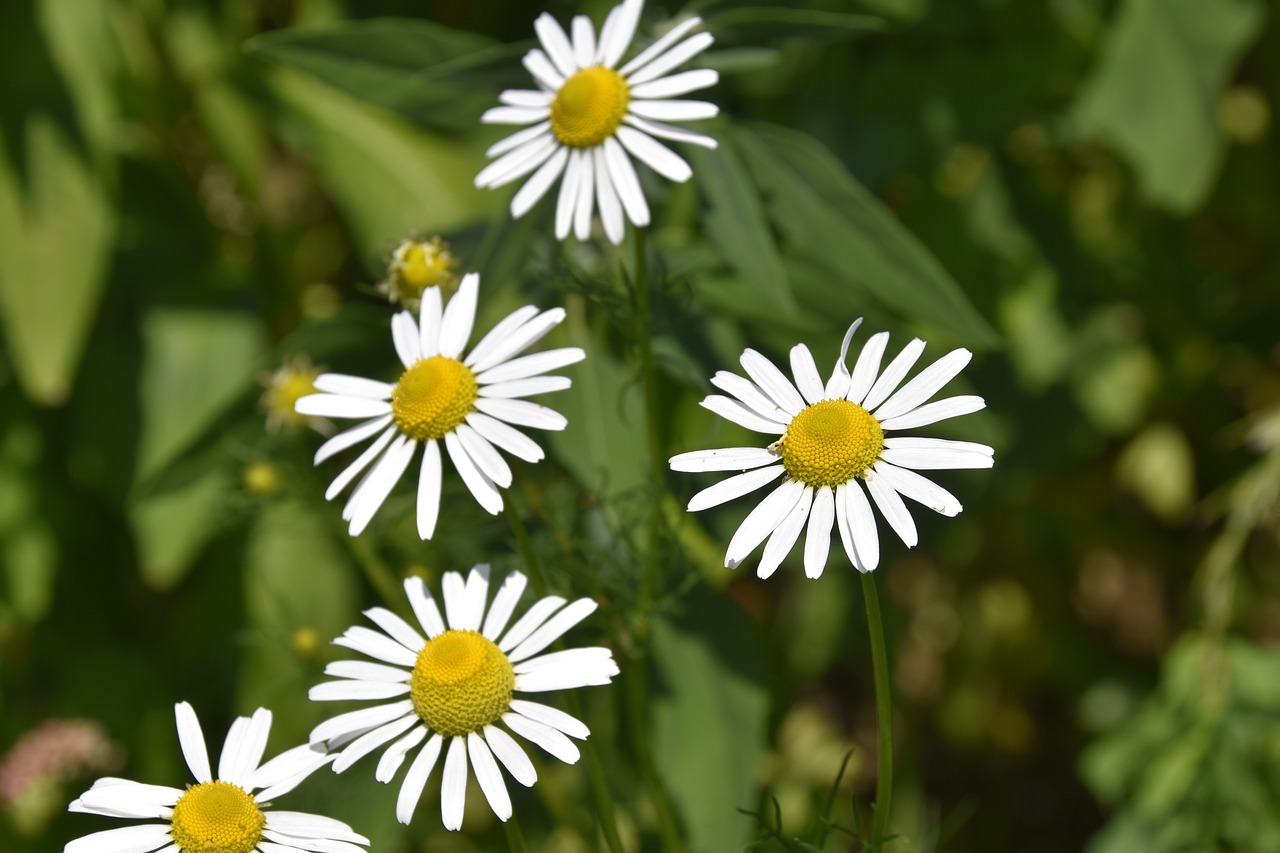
(515, 838)
(376, 571)
(637, 690)
(884, 714)
(604, 802)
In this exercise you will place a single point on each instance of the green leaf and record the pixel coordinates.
(709, 708)
(436, 76)
(1155, 91)
(826, 218)
(1158, 466)
(390, 179)
(197, 362)
(28, 546)
(55, 245)
(737, 225)
(172, 527)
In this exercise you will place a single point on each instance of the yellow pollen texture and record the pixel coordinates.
(589, 107)
(217, 817)
(830, 443)
(433, 397)
(423, 265)
(461, 683)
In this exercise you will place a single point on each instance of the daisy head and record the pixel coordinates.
(282, 388)
(467, 401)
(836, 444)
(589, 116)
(416, 266)
(451, 683)
(228, 813)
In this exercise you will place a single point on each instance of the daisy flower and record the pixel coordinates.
(588, 117)
(217, 815)
(452, 687)
(468, 402)
(834, 447)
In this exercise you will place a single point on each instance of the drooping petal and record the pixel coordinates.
(734, 487)
(453, 789)
(783, 539)
(893, 509)
(416, 779)
(489, 776)
(817, 544)
(762, 521)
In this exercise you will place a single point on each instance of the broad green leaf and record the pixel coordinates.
(436, 76)
(709, 706)
(826, 218)
(1159, 468)
(737, 224)
(390, 179)
(81, 42)
(55, 244)
(173, 526)
(197, 362)
(1155, 91)
(28, 547)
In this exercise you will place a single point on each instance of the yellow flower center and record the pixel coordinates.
(461, 683)
(830, 443)
(420, 265)
(216, 817)
(432, 397)
(589, 107)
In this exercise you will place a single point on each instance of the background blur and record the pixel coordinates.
(1086, 658)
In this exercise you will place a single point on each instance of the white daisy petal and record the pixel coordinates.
(489, 776)
(369, 741)
(453, 789)
(553, 629)
(358, 722)
(919, 489)
(556, 44)
(893, 374)
(370, 494)
(567, 201)
(817, 544)
(536, 187)
(783, 539)
(607, 198)
(540, 66)
(474, 595)
(454, 589)
(570, 669)
(671, 132)
(485, 455)
(678, 55)
(752, 395)
(340, 406)
(806, 374)
(844, 526)
(892, 508)
(526, 98)
(651, 52)
(866, 367)
(424, 606)
(551, 740)
(416, 779)
(518, 162)
(531, 365)
(927, 383)
(504, 604)
(838, 384)
(618, 30)
(734, 487)
(762, 521)
(303, 825)
(480, 353)
(522, 413)
(289, 844)
(429, 477)
(674, 110)
(398, 629)
(191, 738)
(484, 490)
(724, 459)
(131, 800)
(526, 387)
(936, 453)
(430, 314)
(931, 413)
(242, 751)
(505, 437)
(353, 386)
(286, 770)
(363, 670)
(511, 755)
(586, 199)
(361, 462)
(375, 645)
(516, 339)
(528, 623)
(350, 438)
(730, 409)
(862, 526)
(404, 334)
(459, 317)
(394, 756)
(514, 141)
(513, 115)
(553, 717)
(584, 41)
(623, 176)
(655, 155)
(772, 381)
(129, 839)
(677, 84)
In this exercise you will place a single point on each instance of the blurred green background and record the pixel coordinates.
(193, 194)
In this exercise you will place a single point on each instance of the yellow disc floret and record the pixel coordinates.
(461, 683)
(416, 266)
(830, 443)
(589, 107)
(433, 397)
(216, 817)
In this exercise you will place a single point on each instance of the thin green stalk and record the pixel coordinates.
(884, 714)
(525, 547)
(648, 371)
(637, 690)
(515, 838)
(377, 572)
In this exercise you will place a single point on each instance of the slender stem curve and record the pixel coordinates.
(884, 714)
